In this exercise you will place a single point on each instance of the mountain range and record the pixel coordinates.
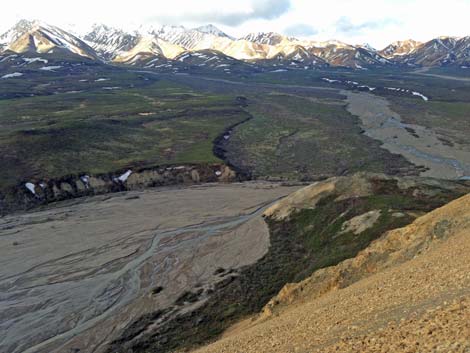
(209, 46)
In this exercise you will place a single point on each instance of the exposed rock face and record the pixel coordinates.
(358, 185)
(42, 38)
(361, 223)
(400, 48)
(46, 191)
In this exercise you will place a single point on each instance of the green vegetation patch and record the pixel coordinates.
(296, 137)
(102, 131)
(450, 119)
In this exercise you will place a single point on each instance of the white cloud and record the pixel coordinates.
(345, 25)
(260, 9)
(377, 22)
(300, 30)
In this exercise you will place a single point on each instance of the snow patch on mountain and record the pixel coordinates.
(420, 95)
(211, 29)
(165, 43)
(14, 74)
(33, 60)
(50, 68)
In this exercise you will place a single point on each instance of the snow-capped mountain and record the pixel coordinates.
(296, 56)
(38, 37)
(129, 47)
(269, 38)
(211, 29)
(400, 48)
(162, 44)
(211, 59)
(333, 52)
(349, 56)
(196, 38)
(244, 50)
(443, 51)
(462, 51)
(15, 32)
(110, 42)
(147, 48)
(367, 46)
(329, 43)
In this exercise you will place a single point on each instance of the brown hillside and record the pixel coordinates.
(407, 292)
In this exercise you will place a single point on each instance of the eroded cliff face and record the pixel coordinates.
(28, 194)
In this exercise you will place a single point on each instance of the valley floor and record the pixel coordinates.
(419, 145)
(76, 273)
(425, 71)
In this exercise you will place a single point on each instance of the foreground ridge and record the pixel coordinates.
(408, 291)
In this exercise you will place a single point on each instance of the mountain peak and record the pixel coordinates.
(18, 29)
(400, 48)
(39, 37)
(26, 24)
(211, 29)
(270, 38)
(110, 42)
(101, 27)
(367, 46)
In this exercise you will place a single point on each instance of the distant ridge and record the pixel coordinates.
(138, 47)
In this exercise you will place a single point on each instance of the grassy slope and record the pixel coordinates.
(291, 136)
(447, 112)
(451, 119)
(294, 137)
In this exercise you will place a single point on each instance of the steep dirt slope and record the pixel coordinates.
(409, 291)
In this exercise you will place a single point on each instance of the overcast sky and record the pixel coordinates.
(377, 22)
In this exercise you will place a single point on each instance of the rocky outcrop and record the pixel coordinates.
(357, 186)
(32, 193)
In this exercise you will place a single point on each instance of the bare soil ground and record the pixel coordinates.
(419, 145)
(73, 274)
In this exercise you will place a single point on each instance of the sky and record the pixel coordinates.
(376, 22)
